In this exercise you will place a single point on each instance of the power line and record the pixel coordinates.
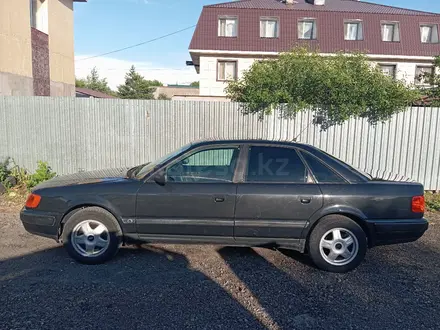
(137, 45)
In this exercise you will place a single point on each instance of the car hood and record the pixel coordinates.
(108, 175)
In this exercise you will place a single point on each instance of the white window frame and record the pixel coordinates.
(39, 15)
(386, 65)
(434, 35)
(314, 34)
(263, 21)
(396, 31)
(220, 69)
(222, 32)
(359, 31)
(416, 78)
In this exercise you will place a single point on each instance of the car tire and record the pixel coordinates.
(337, 244)
(91, 235)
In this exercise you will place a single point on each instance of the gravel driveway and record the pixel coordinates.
(212, 287)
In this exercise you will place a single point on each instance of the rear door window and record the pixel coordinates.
(275, 164)
(322, 173)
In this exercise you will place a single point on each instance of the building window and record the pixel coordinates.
(429, 33)
(388, 70)
(307, 29)
(353, 30)
(421, 74)
(390, 31)
(39, 15)
(227, 26)
(269, 27)
(226, 70)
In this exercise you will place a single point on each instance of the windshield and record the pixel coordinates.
(145, 169)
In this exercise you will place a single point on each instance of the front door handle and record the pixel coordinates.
(219, 199)
(305, 200)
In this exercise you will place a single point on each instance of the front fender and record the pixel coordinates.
(94, 201)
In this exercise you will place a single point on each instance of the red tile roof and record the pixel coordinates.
(330, 25)
(351, 6)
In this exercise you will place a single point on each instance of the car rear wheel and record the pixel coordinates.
(337, 244)
(92, 235)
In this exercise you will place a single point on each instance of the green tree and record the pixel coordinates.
(336, 88)
(433, 91)
(80, 83)
(94, 82)
(155, 83)
(137, 87)
(163, 96)
(195, 84)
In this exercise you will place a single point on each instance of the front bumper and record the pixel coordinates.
(384, 232)
(40, 223)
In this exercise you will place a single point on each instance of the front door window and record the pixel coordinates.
(205, 166)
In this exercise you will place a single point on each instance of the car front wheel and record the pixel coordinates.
(337, 244)
(91, 235)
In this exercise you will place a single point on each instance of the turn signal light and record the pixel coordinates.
(418, 204)
(33, 201)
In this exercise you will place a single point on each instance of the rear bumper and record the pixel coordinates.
(384, 232)
(40, 223)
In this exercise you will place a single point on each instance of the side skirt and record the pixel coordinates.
(294, 244)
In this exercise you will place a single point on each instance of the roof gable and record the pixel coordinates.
(351, 6)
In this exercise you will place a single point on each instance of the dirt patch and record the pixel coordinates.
(214, 287)
(13, 201)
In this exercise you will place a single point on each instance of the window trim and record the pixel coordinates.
(314, 29)
(301, 151)
(226, 61)
(432, 25)
(190, 152)
(270, 18)
(360, 23)
(395, 23)
(309, 180)
(220, 17)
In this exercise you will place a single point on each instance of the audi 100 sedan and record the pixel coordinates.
(230, 192)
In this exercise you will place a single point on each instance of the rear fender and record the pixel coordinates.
(335, 209)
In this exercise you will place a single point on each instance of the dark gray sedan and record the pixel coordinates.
(231, 192)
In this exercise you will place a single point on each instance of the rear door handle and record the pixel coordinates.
(305, 200)
(219, 199)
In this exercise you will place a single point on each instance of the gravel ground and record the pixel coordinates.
(212, 287)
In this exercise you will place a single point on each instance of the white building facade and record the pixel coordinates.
(230, 37)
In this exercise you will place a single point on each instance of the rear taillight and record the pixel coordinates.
(418, 204)
(33, 201)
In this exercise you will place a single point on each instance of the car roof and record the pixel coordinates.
(246, 141)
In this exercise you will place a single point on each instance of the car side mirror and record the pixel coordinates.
(160, 178)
